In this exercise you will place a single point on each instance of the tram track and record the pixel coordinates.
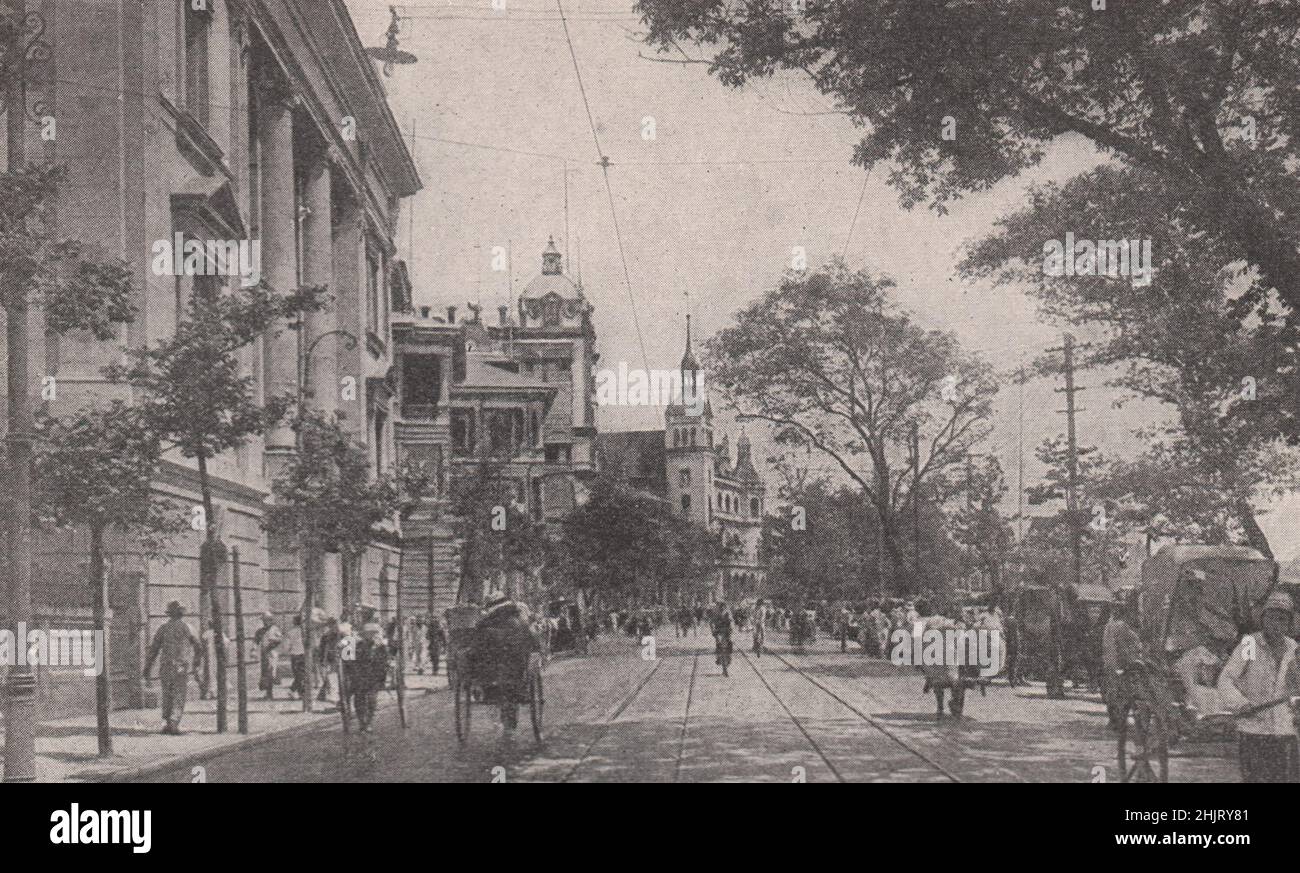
(839, 777)
(686, 716)
(874, 723)
(607, 722)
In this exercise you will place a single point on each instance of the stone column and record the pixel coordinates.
(279, 253)
(318, 269)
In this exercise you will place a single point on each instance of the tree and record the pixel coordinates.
(828, 360)
(94, 468)
(1201, 337)
(979, 526)
(327, 498)
(496, 534)
(957, 96)
(77, 288)
(196, 397)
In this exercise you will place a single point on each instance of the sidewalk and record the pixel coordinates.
(67, 749)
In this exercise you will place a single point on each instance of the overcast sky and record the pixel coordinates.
(708, 210)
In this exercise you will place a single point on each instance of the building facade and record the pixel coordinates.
(515, 396)
(687, 465)
(257, 122)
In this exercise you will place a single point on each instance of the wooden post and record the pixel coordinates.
(400, 680)
(241, 674)
(103, 679)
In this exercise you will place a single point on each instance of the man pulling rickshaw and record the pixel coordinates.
(496, 660)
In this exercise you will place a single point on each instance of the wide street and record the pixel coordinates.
(816, 716)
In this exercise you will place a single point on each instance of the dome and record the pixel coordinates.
(552, 279)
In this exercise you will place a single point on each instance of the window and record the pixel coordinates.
(686, 503)
(197, 22)
(537, 500)
(558, 454)
(753, 507)
(505, 430)
(534, 429)
(373, 281)
(380, 430)
(463, 438)
(421, 385)
(551, 315)
(692, 437)
(686, 478)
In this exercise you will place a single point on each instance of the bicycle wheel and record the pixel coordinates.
(1143, 744)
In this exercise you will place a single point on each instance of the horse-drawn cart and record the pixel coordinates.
(486, 666)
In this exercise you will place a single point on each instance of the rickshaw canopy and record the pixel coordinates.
(1178, 614)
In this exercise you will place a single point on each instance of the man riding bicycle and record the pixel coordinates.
(721, 625)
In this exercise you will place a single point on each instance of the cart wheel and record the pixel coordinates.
(464, 706)
(1143, 746)
(536, 702)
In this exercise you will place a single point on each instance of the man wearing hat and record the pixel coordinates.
(1257, 683)
(507, 645)
(175, 642)
(1120, 650)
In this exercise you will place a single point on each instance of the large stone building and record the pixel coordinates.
(230, 120)
(516, 394)
(685, 464)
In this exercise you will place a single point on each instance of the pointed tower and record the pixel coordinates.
(688, 441)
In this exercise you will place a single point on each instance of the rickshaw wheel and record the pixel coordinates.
(536, 702)
(1143, 745)
(464, 706)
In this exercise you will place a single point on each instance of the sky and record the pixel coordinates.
(708, 209)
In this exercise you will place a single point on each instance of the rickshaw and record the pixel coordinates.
(473, 677)
(1188, 627)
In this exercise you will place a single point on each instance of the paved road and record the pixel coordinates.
(816, 716)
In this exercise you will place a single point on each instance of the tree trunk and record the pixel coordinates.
(103, 687)
(1254, 535)
(209, 556)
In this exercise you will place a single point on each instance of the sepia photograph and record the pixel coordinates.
(650, 391)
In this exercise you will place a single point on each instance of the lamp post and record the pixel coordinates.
(309, 546)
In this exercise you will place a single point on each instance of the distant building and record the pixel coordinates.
(516, 394)
(684, 464)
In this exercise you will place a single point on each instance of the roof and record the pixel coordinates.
(636, 456)
(551, 283)
(481, 373)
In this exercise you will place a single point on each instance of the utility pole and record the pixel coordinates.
(1072, 458)
(1020, 465)
(916, 501)
(20, 691)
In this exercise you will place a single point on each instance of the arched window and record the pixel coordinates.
(686, 503)
(753, 506)
(676, 439)
(686, 478)
(692, 437)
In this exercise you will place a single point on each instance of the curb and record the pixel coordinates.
(323, 721)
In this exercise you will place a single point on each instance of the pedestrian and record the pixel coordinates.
(760, 626)
(365, 670)
(293, 645)
(175, 642)
(327, 657)
(437, 639)
(268, 639)
(1258, 683)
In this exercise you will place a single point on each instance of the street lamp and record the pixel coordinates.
(308, 565)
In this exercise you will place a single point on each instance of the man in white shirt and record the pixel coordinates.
(1259, 673)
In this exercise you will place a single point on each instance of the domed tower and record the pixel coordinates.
(688, 441)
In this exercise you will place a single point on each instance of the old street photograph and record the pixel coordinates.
(650, 391)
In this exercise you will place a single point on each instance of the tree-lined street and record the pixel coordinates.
(819, 716)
